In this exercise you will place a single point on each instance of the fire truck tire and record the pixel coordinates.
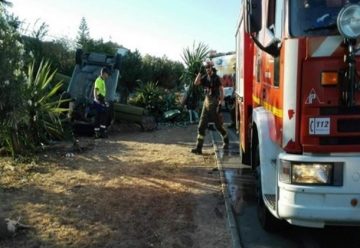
(267, 221)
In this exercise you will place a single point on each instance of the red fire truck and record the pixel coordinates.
(298, 108)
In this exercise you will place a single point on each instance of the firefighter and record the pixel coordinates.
(214, 97)
(100, 104)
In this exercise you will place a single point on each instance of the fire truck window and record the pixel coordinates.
(315, 17)
(277, 71)
(271, 15)
(327, 3)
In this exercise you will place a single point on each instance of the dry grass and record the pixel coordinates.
(133, 190)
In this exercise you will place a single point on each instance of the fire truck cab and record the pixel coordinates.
(298, 108)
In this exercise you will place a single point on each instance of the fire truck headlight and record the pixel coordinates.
(348, 21)
(311, 173)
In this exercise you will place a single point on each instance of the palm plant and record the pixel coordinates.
(36, 118)
(43, 106)
(151, 97)
(193, 58)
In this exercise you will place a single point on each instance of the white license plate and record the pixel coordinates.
(319, 126)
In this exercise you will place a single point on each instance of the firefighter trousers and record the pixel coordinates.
(210, 113)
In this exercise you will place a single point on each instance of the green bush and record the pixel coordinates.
(29, 109)
(12, 112)
(155, 99)
(193, 59)
(36, 120)
(43, 106)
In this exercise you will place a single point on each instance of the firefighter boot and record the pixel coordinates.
(226, 143)
(198, 148)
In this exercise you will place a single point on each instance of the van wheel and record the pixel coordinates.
(78, 56)
(118, 60)
(267, 221)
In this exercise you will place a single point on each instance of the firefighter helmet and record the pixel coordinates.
(208, 63)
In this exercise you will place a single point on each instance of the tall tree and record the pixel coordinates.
(34, 42)
(130, 74)
(161, 70)
(5, 3)
(83, 37)
(39, 32)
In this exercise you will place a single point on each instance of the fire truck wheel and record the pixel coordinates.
(267, 221)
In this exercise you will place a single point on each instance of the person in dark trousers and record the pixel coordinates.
(100, 105)
(214, 97)
(232, 109)
(191, 103)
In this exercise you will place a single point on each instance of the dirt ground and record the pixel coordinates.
(134, 189)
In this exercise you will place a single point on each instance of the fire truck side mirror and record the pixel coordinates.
(253, 16)
(272, 44)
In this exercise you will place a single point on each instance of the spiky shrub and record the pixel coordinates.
(154, 98)
(42, 104)
(35, 119)
(170, 100)
(151, 97)
(29, 111)
(193, 59)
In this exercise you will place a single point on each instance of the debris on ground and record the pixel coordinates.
(134, 189)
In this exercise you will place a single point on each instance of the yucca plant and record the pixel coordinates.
(151, 97)
(36, 118)
(193, 59)
(43, 105)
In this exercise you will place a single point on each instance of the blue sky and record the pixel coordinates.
(155, 27)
